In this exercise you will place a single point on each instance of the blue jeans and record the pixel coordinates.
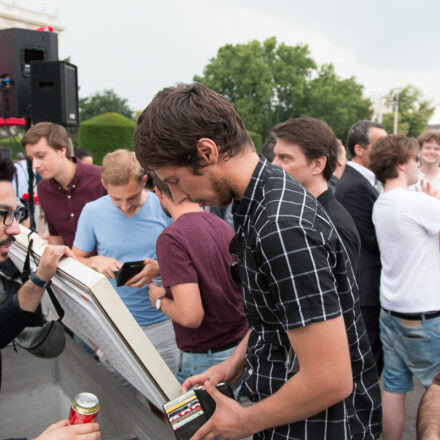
(196, 363)
(409, 348)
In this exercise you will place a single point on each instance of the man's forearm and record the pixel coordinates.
(299, 398)
(29, 296)
(168, 307)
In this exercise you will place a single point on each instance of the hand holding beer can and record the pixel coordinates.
(84, 409)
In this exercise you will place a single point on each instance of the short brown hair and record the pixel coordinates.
(178, 117)
(390, 151)
(314, 137)
(162, 186)
(56, 137)
(121, 166)
(428, 136)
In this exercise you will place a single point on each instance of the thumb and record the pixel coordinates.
(213, 391)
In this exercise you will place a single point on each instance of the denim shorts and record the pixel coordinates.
(195, 363)
(409, 348)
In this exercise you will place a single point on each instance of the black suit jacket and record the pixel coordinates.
(357, 195)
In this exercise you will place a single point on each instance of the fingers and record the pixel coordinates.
(204, 432)
(85, 428)
(198, 379)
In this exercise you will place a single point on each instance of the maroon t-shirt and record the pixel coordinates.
(195, 249)
(62, 208)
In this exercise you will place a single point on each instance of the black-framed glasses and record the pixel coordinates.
(11, 215)
(234, 268)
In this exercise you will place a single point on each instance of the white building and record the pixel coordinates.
(14, 16)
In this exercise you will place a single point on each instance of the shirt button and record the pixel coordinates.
(72, 215)
(250, 372)
(69, 196)
(73, 186)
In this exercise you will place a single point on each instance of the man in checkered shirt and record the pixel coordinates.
(309, 366)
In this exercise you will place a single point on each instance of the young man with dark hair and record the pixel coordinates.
(407, 226)
(307, 150)
(19, 310)
(357, 192)
(67, 183)
(309, 369)
(197, 294)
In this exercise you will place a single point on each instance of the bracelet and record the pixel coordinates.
(38, 281)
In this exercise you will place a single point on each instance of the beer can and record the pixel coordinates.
(84, 409)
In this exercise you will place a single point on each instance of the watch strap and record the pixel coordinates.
(38, 281)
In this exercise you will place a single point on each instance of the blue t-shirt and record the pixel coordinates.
(102, 226)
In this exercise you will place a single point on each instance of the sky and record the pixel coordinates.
(137, 47)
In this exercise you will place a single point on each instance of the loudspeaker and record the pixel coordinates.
(18, 47)
(54, 92)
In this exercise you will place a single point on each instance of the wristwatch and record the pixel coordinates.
(38, 281)
(158, 303)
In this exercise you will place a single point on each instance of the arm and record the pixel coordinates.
(105, 265)
(55, 240)
(62, 431)
(428, 416)
(324, 379)
(186, 306)
(13, 318)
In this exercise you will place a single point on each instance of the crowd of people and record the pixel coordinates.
(329, 281)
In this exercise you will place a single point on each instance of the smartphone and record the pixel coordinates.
(127, 271)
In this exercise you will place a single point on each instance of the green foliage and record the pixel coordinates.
(414, 111)
(269, 83)
(339, 102)
(13, 144)
(105, 133)
(104, 102)
(256, 138)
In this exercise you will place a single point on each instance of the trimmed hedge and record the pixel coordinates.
(13, 144)
(105, 133)
(256, 137)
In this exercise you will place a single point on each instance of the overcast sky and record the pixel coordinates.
(139, 47)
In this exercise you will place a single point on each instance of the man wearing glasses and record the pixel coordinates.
(309, 367)
(18, 311)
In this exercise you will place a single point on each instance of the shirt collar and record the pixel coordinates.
(368, 174)
(242, 208)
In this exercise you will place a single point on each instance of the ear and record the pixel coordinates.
(104, 185)
(401, 167)
(158, 193)
(207, 149)
(63, 151)
(144, 180)
(359, 150)
(318, 165)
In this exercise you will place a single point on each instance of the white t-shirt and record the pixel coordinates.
(435, 182)
(407, 226)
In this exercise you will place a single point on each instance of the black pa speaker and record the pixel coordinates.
(18, 48)
(54, 92)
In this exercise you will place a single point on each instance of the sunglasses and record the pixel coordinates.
(234, 268)
(11, 215)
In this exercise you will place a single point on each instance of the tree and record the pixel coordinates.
(339, 102)
(104, 102)
(414, 111)
(269, 83)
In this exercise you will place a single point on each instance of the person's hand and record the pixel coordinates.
(62, 431)
(155, 293)
(226, 371)
(50, 259)
(105, 265)
(427, 188)
(229, 420)
(145, 276)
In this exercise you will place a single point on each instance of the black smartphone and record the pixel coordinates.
(127, 271)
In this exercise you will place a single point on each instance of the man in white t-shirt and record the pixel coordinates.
(429, 142)
(407, 224)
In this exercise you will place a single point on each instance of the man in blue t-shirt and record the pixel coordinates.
(124, 226)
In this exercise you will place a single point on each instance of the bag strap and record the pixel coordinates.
(25, 276)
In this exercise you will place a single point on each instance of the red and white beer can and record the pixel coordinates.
(84, 409)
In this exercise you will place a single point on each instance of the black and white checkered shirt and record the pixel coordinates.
(293, 271)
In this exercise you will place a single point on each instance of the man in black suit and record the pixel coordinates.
(357, 193)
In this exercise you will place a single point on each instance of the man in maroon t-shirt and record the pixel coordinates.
(67, 183)
(198, 294)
